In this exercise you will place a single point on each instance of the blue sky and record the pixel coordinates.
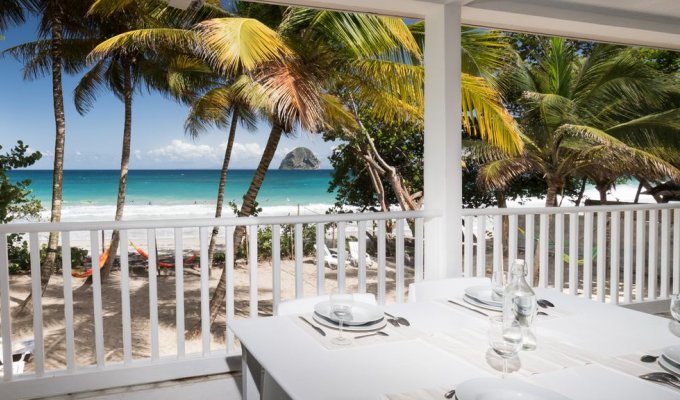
(94, 141)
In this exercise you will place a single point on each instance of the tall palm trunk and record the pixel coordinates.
(550, 201)
(217, 300)
(59, 143)
(223, 183)
(124, 168)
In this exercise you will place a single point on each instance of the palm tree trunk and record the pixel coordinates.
(581, 191)
(217, 300)
(603, 193)
(59, 143)
(223, 183)
(550, 201)
(124, 168)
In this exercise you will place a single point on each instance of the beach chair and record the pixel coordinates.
(20, 356)
(330, 260)
(354, 255)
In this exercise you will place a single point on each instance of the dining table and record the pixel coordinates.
(586, 350)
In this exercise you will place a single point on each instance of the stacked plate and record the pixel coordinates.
(482, 296)
(670, 359)
(496, 389)
(365, 317)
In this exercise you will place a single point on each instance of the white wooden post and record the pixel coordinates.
(443, 177)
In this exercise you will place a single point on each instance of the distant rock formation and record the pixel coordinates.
(300, 158)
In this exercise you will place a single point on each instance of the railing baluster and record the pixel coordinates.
(601, 254)
(97, 299)
(276, 267)
(229, 260)
(153, 291)
(320, 263)
(588, 254)
(381, 261)
(559, 251)
(204, 237)
(512, 239)
(252, 262)
(399, 254)
(529, 246)
(543, 256)
(640, 218)
(68, 301)
(651, 254)
(481, 246)
(342, 255)
(665, 251)
(627, 256)
(614, 245)
(573, 253)
(361, 273)
(676, 250)
(299, 274)
(179, 290)
(418, 251)
(36, 298)
(5, 314)
(467, 244)
(125, 298)
(497, 243)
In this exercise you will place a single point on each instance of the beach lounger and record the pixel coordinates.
(354, 255)
(20, 356)
(330, 260)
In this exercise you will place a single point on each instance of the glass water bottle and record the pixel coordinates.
(519, 303)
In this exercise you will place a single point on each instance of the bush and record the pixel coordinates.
(20, 256)
(264, 242)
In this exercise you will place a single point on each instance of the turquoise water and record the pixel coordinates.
(158, 187)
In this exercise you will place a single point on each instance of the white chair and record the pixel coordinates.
(442, 288)
(306, 305)
(20, 355)
(329, 259)
(354, 255)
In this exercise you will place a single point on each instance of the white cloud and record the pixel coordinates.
(138, 154)
(79, 153)
(179, 151)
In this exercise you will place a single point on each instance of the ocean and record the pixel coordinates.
(90, 195)
(155, 194)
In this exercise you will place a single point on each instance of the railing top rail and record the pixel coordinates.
(565, 210)
(200, 222)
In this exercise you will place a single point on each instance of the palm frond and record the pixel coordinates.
(87, 90)
(142, 40)
(496, 175)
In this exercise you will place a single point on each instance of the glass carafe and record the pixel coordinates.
(519, 303)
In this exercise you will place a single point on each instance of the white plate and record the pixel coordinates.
(479, 304)
(669, 367)
(363, 328)
(672, 353)
(503, 389)
(362, 313)
(483, 294)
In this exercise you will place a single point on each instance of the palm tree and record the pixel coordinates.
(580, 113)
(12, 12)
(63, 40)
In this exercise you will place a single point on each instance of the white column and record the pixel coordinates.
(443, 177)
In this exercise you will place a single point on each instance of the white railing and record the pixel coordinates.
(65, 374)
(617, 254)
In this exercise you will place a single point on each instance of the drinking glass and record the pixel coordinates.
(497, 283)
(505, 338)
(341, 308)
(675, 306)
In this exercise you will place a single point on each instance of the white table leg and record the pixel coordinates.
(251, 375)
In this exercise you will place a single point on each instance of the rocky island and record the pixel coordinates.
(300, 158)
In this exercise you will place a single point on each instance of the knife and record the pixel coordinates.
(316, 328)
(469, 308)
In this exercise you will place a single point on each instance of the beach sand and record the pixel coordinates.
(53, 308)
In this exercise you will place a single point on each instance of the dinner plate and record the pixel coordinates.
(483, 294)
(361, 328)
(668, 366)
(672, 354)
(503, 389)
(480, 304)
(362, 313)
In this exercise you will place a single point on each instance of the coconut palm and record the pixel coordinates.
(582, 113)
(63, 41)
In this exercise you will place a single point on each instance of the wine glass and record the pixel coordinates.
(341, 308)
(497, 283)
(675, 306)
(505, 338)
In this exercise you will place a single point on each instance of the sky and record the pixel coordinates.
(94, 141)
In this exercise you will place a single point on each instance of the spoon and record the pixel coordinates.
(648, 358)
(450, 394)
(400, 320)
(378, 333)
(662, 377)
(393, 321)
(545, 303)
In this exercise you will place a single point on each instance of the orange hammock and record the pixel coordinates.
(145, 255)
(88, 272)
